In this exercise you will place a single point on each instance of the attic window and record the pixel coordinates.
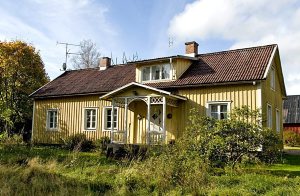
(272, 78)
(156, 72)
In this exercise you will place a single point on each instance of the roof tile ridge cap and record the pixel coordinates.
(238, 49)
(83, 69)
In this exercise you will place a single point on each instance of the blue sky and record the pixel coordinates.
(144, 27)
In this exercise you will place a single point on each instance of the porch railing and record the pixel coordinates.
(118, 136)
(156, 137)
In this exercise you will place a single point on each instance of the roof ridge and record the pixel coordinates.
(97, 68)
(238, 49)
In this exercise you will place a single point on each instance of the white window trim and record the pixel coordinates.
(273, 79)
(269, 119)
(150, 76)
(47, 120)
(104, 118)
(278, 116)
(208, 112)
(84, 119)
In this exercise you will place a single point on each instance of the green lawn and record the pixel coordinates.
(53, 171)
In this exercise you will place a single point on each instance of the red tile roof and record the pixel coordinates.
(88, 81)
(246, 64)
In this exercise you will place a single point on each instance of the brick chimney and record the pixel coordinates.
(191, 48)
(104, 63)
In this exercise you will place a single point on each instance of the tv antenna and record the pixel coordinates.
(171, 42)
(64, 66)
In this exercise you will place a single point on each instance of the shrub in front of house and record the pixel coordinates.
(206, 148)
(102, 143)
(79, 142)
(291, 138)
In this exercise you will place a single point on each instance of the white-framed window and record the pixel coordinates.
(90, 118)
(277, 121)
(218, 110)
(269, 116)
(107, 118)
(52, 119)
(272, 78)
(156, 72)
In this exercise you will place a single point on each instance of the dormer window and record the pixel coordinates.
(156, 72)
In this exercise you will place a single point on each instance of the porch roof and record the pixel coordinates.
(135, 84)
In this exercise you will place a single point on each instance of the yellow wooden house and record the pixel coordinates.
(148, 101)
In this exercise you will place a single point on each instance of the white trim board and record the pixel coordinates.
(142, 86)
(270, 62)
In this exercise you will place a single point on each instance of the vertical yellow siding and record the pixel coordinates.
(238, 95)
(273, 97)
(180, 66)
(70, 112)
(71, 118)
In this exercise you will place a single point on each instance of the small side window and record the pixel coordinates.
(277, 121)
(218, 110)
(52, 119)
(108, 120)
(269, 116)
(90, 118)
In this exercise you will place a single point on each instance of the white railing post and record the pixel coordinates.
(125, 121)
(112, 120)
(164, 119)
(148, 118)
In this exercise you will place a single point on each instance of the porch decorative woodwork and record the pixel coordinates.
(151, 136)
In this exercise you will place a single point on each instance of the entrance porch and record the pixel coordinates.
(147, 115)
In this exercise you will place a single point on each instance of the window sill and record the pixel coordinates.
(51, 130)
(90, 129)
(109, 129)
(155, 81)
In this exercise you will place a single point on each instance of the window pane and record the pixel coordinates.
(165, 71)
(155, 72)
(214, 108)
(108, 124)
(214, 115)
(223, 108)
(115, 124)
(93, 124)
(223, 116)
(146, 74)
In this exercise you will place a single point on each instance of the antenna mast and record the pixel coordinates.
(67, 52)
(171, 42)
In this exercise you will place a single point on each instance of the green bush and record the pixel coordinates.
(226, 142)
(15, 139)
(102, 143)
(271, 146)
(79, 142)
(291, 138)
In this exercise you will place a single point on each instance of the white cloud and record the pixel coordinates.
(43, 23)
(246, 23)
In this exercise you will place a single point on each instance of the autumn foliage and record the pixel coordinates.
(21, 72)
